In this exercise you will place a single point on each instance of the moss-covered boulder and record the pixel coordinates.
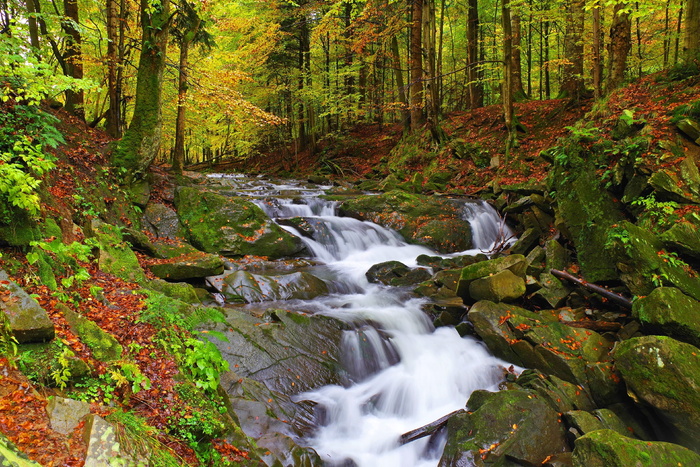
(517, 264)
(503, 286)
(585, 211)
(430, 221)
(103, 345)
(231, 226)
(195, 265)
(644, 264)
(242, 285)
(670, 312)
(681, 184)
(684, 237)
(115, 256)
(28, 321)
(513, 427)
(607, 448)
(161, 221)
(538, 341)
(664, 374)
(178, 290)
(396, 274)
(561, 395)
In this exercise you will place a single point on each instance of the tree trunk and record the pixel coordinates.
(416, 65)
(398, 73)
(476, 90)
(182, 86)
(33, 25)
(72, 56)
(518, 92)
(141, 142)
(113, 117)
(429, 44)
(507, 87)
(597, 68)
(572, 83)
(619, 46)
(691, 40)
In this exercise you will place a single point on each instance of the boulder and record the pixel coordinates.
(195, 265)
(431, 221)
(103, 345)
(115, 256)
(161, 221)
(65, 414)
(513, 427)
(538, 341)
(644, 264)
(663, 374)
(669, 312)
(178, 290)
(231, 226)
(682, 185)
(690, 128)
(397, 274)
(525, 242)
(12, 457)
(515, 263)
(552, 292)
(103, 449)
(683, 237)
(607, 448)
(242, 285)
(561, 395)
(28, 321)
(602, 419)
(503, 286)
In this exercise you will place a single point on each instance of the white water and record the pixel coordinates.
(401, 372)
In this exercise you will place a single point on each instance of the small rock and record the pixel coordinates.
(28, 321)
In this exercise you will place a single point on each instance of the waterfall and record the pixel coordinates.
(400, 372)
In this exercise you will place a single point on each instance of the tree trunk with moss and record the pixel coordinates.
(141, 142)
(691, 41)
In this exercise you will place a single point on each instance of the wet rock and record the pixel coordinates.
(430, 221)
(161, 221)
(515, 263)
(66, 414)
(664, 374)
(552, 292)
(506, 427)
(28, 321)
(231, 226)
(561, 395)
(103, 449)
(195, 265)
(396, 274)
(669, 312)
(643, 263)
(607, 448)
(242, 285)
(503, 286)
(603, 419)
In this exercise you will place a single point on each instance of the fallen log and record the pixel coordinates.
(600, 290)
(428, 429)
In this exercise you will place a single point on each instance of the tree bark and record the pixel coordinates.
(416, 64)
(72, 56)
(182, 87)
(597, 71)
(691, 38)
(398, 74)
(572, 83)
(619, 46)
(518, 92)
(113, 112)
(507, 86)
(476, 90)
(141, 142)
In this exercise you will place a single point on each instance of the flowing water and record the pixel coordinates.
(401, 373)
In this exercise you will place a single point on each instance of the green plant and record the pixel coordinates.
(8, 342)
(140, 440)
(660, 213)
(204, 363)
(56, 258)
(61, 374)
(584, 133)
(618, 236)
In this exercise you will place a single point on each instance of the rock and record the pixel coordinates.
(519, 205)
(602, 419)
(65, 414)
(161, 221)
(242, 285)
(506, 428)
(178, 290)
(43, 362)
(664, 374)
(10, 456)
(538, 341)
(515, 263)
(587, 212)
(681, 186)
(556, 256)
(553, 292)
(643, 263)
(140, 192)
(535, 261)
(669, 312)
(232, 226)
(525, 188)
(607, 448)
(503, 286)
(115, 256)
(287, 351)
(28, 321)
(103, 345)
(525, 242)
(561, 395)
(683, 237)
(139, 241)
(194, 265)
(690, 128)
(430, 221)
(396, 274)
(103, 449)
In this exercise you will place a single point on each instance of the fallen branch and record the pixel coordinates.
(428, 429)
(600, 290)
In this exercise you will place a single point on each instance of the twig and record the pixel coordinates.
(428, 429)
(600, 290)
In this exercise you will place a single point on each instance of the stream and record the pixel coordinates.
(400, 372)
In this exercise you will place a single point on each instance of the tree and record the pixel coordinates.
(141, 142)
(572, 85)
(691, 42)
(476, 90)
(416, 64)
(507, 86)
(72, 56)
(620, 44)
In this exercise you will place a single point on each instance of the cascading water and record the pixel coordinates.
(401, 373)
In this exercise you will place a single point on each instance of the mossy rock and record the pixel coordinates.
(670, 312)
(607, 448)
(115, 256)
(682, 185)
(161, 221)
(103, 345)
(396, 274)
(10, 456)
(242, 285)
(643, 263)
(28, 321)
(683, 237)
(513, 427)
(561, 395)
(177, 290)
(515, 263)
(195, 265)
(664, 374)
(434, 222)
(231, 226)
(503, 286)
(40, 361)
